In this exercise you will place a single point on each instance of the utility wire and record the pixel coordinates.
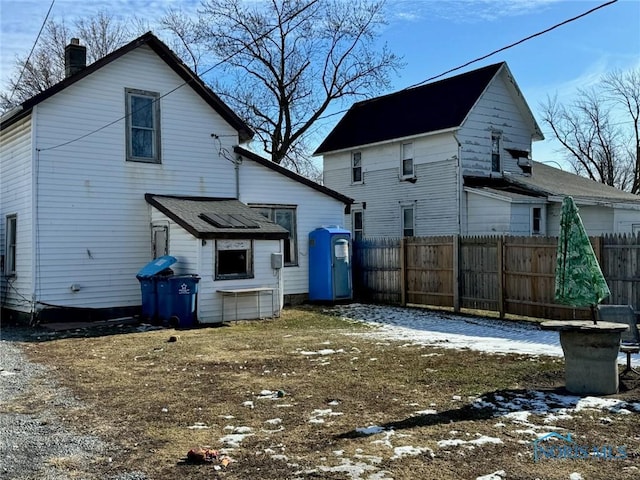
(24, 67)
(542, 32)
(573, 19)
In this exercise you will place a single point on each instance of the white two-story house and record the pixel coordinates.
(133, 157)
(455, 157)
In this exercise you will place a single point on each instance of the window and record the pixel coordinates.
(408, 221)
(143, 126)
(536, 221)
(358, 224)
(495, 152)
(12, 236)
(356, 167)
(285, 216)
(234, 259)
(407, 160)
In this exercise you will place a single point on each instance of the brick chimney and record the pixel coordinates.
(75, 57)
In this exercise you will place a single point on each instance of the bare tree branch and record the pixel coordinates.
(599, 130)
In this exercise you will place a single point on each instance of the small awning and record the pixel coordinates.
(224, 218)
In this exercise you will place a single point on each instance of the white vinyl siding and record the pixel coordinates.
(104, 205)
(434, 191)
(261, 185)
(495, 112)
(16, 193)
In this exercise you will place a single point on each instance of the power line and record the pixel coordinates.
(493, 53)
(24, 67)
(515, 43)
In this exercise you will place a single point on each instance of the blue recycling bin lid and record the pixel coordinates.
(156, 266)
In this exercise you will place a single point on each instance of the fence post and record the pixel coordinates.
(500, 253)
(455, 240)
(403, 271)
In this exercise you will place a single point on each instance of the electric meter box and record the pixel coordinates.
(330, 264)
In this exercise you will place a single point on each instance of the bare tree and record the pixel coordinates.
(600, 130)
(102, 34)
(286, 61)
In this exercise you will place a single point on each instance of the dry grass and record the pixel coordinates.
(142, 392)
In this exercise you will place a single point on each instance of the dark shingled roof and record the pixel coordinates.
(429, 108)
(166, 54)
(190, 213)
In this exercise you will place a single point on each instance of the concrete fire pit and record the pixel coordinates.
(590, 354)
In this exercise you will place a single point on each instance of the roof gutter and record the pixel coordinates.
(11, 113)
(384, 142)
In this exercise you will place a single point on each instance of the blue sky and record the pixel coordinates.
(433, 37)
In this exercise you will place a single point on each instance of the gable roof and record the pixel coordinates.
(222, 218)
(550, 182)
(292, 175)
(433, 107)
(165, 53)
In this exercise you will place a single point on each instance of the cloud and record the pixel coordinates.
(465, 11)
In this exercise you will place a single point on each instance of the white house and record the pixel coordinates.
(454, 157)
(85, 163)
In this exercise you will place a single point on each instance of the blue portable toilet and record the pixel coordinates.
(330, 264)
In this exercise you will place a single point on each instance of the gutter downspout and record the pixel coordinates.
(236, 165)
(459, 185)
(35, 231)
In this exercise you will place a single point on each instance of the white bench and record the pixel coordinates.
(254, 291)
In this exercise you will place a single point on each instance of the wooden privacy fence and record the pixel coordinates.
(508, 275)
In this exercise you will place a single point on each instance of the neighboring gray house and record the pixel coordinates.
(87, 166)
(454, 157)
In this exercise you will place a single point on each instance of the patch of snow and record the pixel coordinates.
(575, 476)
(316, 415)
(497, 475)
(481, 440)
(325, 351)
(198, 426)
(248, 403)
(280, 457)
(428, 411)
(370, 430)
(407, 450)
(234, 439)
(274, 421)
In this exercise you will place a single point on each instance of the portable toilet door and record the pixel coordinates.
(341, 268)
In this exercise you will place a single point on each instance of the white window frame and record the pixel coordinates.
(406, 230)
(358, 233)
(541, 223)
(406, 159)
(356, 157)
(132, 156)
(496, 150)
(237, 246)
(11, 232)
(290, 244)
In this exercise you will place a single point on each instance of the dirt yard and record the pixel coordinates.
(310, 395)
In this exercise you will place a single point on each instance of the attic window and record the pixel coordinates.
(142, 126)
(495, 152)
(227, 220)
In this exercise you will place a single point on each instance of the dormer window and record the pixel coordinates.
(407, 160)
(495, 152)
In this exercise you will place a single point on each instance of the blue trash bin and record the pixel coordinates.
(182, 293)
(148, 277)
